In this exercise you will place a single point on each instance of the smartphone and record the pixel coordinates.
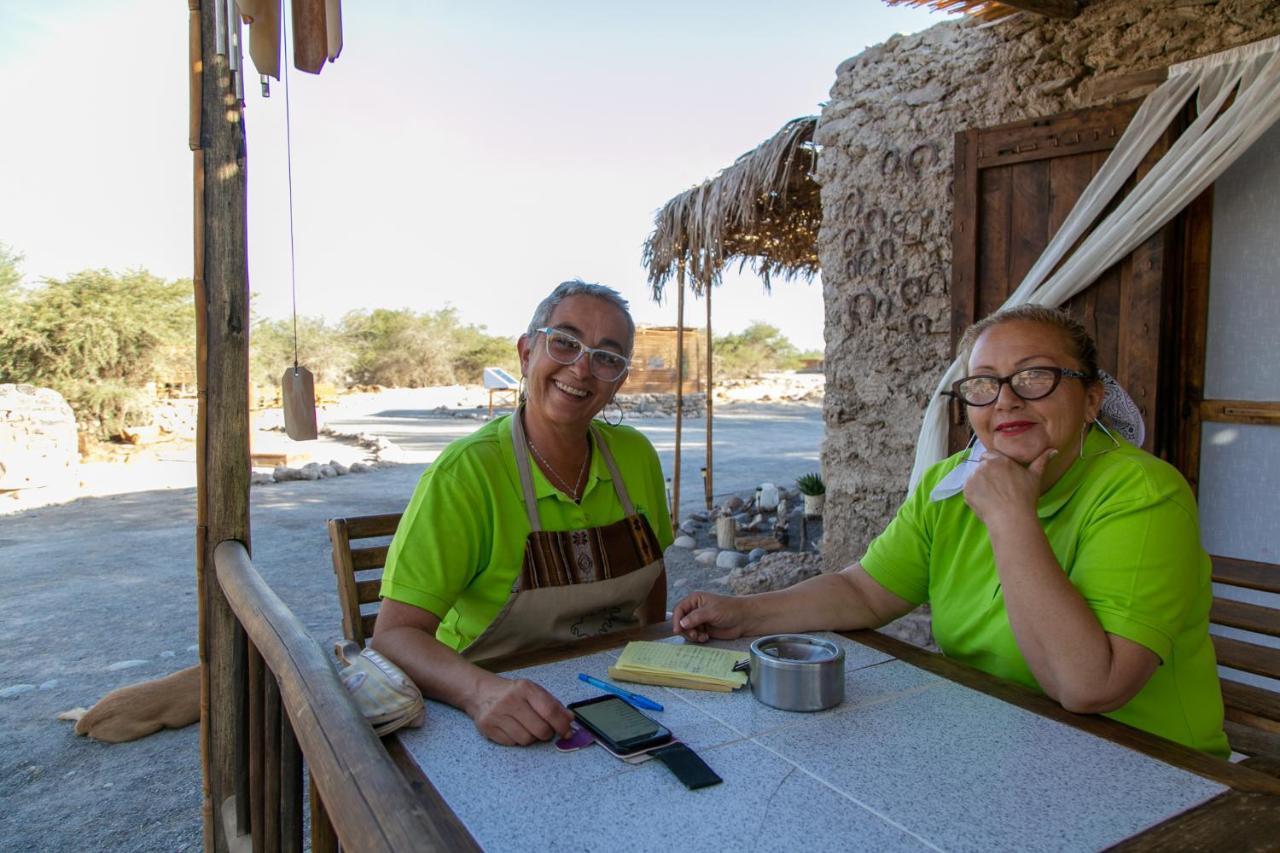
(620, 727)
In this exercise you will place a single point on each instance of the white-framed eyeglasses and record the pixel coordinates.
(564, 348)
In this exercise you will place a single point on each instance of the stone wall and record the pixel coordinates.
(886, 172)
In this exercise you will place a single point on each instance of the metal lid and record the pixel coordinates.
(796, 650)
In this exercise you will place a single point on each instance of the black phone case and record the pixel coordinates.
(604, 740)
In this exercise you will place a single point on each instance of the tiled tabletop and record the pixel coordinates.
(909, 761)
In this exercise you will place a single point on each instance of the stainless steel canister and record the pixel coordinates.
(797, 673)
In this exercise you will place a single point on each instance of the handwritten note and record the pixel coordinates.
(679, 665)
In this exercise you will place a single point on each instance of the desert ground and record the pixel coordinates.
(100, 588)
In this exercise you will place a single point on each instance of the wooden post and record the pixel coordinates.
(675, 488)
(222, 434)
(707, 485)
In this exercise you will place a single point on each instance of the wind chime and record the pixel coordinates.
(317, 37)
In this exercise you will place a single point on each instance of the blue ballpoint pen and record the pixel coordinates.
(634, 698)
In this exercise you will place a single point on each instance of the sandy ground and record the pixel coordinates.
(99, 592)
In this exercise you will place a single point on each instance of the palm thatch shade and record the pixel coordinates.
(991, 10)
(763, 211)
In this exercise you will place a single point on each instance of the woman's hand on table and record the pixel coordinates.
(1001, 484)
(705, 616)
(517, 712)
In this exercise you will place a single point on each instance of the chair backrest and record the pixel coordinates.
(359, 569)
(1246, 638)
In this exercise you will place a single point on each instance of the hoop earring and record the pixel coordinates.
(621, 413)
(1115, 442)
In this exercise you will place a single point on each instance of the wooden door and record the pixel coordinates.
(1014, 186)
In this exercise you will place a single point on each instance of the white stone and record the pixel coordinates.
(684, 542)
(706, 558)
(730, 560)
(126, 664)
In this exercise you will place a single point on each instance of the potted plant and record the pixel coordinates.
(814, 491)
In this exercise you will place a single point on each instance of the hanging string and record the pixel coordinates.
(288, 151)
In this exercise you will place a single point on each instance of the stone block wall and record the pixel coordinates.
(886, 172)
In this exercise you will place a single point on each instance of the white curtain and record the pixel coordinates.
(1195, 160)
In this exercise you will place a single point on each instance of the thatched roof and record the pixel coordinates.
(991, 10)
(762, 211)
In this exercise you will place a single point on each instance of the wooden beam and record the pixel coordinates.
(1048, 8)
(1240, 411)
(222, 443)
(675, 476)
(707, 482)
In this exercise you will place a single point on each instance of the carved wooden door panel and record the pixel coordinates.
(1014, 186)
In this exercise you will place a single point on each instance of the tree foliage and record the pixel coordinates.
(99, 339)
(754, 351)
(10, 273)
(323, 349)
(403, 348)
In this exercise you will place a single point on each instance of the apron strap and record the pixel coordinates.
(618, 485)
(526, 474)
(522, 468)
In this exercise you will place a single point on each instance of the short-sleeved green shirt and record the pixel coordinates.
(1123, 526)
(461, 541)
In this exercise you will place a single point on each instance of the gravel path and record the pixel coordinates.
(100, 593)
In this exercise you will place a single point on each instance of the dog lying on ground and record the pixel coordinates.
(138, 710)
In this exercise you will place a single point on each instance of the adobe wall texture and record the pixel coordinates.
(886, 171)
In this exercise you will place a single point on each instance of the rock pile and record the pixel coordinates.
(38, 443)
(760, 538)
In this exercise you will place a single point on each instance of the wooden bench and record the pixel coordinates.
(1253, 712)
(358, 568)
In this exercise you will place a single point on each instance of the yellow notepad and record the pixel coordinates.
(679, 665)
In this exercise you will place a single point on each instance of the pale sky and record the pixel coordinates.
(470, 154)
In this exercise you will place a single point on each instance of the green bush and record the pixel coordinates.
(323, 349)
(758, 349)
(407, 349)
(99, 339)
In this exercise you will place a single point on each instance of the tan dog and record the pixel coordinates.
(138, 710)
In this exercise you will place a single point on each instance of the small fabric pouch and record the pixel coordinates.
(386, 697)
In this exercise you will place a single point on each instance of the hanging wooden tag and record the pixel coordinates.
(298, 397)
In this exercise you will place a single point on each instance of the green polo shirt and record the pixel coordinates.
(1123, 526)
(460, 542)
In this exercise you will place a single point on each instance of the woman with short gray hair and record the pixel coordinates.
(540, 528)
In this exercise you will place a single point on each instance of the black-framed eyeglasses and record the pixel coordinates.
(564, 348)
(1030, 383)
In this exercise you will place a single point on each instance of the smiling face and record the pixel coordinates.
(1023, 429)
(567, 395)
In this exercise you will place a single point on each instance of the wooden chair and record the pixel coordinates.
(359, 569)
(1253, 712)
